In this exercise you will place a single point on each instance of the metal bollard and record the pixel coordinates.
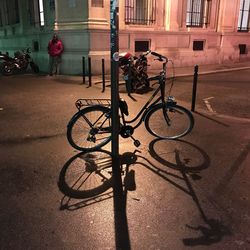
(103, 75)
(83, 70)
(90, 74)
(196, 69)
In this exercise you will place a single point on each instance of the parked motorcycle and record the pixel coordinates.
(19, 62)
(134, 71)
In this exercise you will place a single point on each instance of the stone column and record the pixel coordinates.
(173, 14)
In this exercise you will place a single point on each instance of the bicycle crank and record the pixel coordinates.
(127, 131)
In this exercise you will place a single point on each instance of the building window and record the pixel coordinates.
(35, 46)
(198, 45)
(97, 3)
(1, 19)
(243, 21)
(12, 11)
(140, 12)
(243, 49)
(141, 46)
(198, 13)
(36, 12)
(52, 4)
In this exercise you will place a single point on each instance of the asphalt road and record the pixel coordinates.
(166, 208)
(223, 91)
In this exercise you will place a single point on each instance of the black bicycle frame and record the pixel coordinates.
(145, 109)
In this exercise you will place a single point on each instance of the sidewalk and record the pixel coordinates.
(212, 68)
(205, 209)
(178, 71)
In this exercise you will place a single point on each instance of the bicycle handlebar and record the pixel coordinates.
(160, 57)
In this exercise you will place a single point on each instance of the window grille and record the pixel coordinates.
(97, 3)
(4, 17)
(243, 21)
(1, 19)
(141, 12)
(198, 13)
(31, 12)
(52, 4)
(12, 12)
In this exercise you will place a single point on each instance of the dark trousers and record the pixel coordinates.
(54, 63)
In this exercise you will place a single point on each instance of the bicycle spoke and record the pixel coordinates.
(175, 123)
(90, 129)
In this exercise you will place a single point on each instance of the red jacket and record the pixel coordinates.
(55, 48)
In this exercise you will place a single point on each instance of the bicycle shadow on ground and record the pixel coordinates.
(88, 176)
(189, 160)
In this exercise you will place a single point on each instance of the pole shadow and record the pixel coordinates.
(212, 119)
(213, 230)
(88, 176)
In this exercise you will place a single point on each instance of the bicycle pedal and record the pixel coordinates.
(137, 143)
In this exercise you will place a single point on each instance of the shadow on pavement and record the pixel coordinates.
(193, 158)
(212, 119)
(234, 168)
(70, 80)
(88, 176)
(213, 230)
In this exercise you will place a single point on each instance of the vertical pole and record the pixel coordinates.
(120, 218)
(83, 70)
(196, 68)
(90, 73)
(114, 41)
(103, 75)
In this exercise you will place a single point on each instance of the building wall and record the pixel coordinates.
(21, 35)
(84, 29)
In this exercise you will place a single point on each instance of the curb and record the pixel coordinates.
(97, 79)
(213, 71)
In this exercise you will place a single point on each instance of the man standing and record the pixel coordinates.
(55, 49)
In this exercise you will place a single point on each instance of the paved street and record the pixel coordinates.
(206, 208)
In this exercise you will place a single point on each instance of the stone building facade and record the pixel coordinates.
(187, 31)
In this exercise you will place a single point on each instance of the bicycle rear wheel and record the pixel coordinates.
(90, 128)
(179, 122)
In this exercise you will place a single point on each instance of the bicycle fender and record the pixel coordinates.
(84, 109)
(152, 108)
(149, 110)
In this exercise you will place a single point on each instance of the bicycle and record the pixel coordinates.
(90, 128)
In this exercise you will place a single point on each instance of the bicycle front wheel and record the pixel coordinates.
(176, 122)
(90, 128)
